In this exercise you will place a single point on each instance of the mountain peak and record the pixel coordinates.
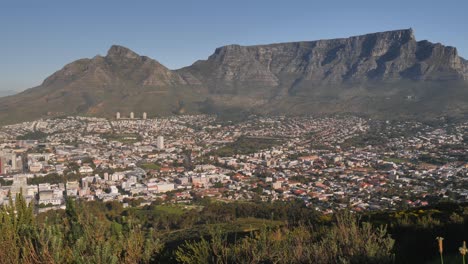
(402, 34)
(117, 51)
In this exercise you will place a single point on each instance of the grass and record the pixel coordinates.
(251, 224)
(238, 226)
(150, 166)
(363, 140)
(124, 138)
(171, 209)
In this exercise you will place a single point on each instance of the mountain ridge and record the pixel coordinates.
(382, 47)
(306, 77)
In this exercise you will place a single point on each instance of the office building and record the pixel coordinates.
(160, 142)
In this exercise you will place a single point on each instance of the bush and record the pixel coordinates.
(346, 241)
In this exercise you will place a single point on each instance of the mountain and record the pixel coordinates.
(373, 74)
(7, 92)
(120, 81)
(381, 74)
(389, 55)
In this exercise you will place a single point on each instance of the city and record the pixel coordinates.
(210, 132)
(330, 163)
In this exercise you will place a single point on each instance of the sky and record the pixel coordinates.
(38, 38)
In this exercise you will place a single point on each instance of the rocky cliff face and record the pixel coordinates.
(391, 55)
(465, 67)
(374, 74)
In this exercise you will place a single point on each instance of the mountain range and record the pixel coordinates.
(383, 75)
(8, 92)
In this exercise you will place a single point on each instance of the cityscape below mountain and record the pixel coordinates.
(350, 150)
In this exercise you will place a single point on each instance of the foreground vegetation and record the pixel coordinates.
(214, 232)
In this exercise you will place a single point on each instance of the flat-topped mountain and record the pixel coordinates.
(375, 74)
(391, 55)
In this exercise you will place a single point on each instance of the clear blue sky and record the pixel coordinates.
(40, 37)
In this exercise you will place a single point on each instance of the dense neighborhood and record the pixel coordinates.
(328, 162)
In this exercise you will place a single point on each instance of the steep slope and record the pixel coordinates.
(120, 65)
(370, 74)
(386, 74)
(384, 56)
(7, 92)
(120, 81)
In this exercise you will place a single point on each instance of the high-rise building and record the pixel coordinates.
(144, 115)
(13, 161)
(19, 163)
(2, 165)
(20, 185)
(84, 183)
(117, 115)
(132, 115)
(160, 142)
